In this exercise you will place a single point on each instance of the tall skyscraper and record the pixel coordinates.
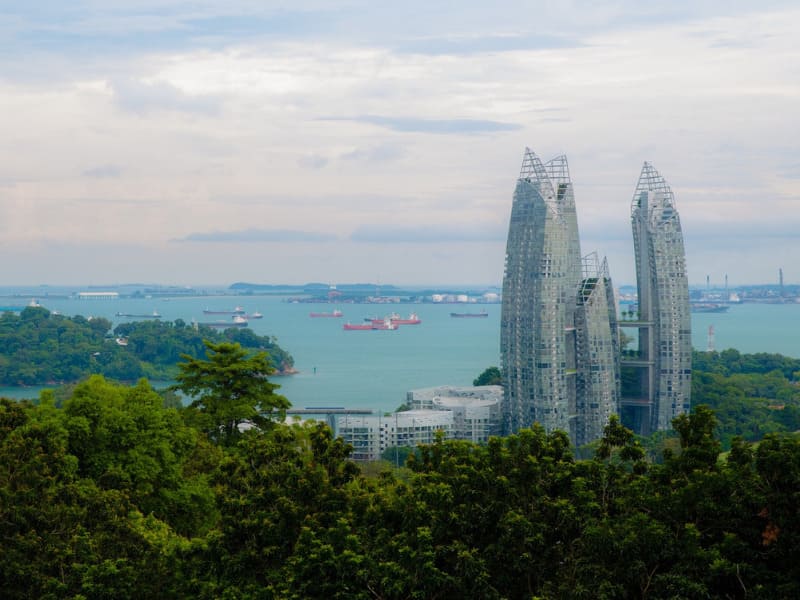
(597, 352)
(544, 352)
(663, 363)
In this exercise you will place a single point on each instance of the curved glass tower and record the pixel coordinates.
(542, 275)
(664, 358)
(597, 352)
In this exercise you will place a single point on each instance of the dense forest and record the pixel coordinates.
(40, 348)
(115, 496)
(751, 394)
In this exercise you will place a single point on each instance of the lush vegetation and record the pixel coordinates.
(115, 496)
(491, 376)
(230, 388)
(751, 394)
(38, 348)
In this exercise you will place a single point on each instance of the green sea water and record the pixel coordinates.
(375, 369)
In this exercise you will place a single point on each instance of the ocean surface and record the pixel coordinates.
(375, 369)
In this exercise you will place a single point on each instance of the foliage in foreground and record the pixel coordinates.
(115, 496)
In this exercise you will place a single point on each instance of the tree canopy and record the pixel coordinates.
(112, 495)
(41, 348)
(490, 376)
(230, 388)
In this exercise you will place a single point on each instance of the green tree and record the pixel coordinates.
(230, 387)
(65, 536)
(617, 436)
(490, 376)
(397, 455)
(124, 439)
(281, 493)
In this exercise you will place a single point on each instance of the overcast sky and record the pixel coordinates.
(199, 141)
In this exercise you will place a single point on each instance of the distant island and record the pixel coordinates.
(38, 347)
(372, 293)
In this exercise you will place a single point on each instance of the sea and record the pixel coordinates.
(375, 369)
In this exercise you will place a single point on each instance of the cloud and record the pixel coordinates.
(437, 126)
(479, 43)
(312, 161)
(380, 153)
(426, 234)
(103, 172)
(259, 235)
(140, 97)
(789, 171)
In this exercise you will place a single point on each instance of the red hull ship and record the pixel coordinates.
(377, 325)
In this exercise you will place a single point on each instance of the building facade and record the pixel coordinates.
(663, 361)
(475, 409)
(559, 340)
(458, 412)
(370, 435)
(542, 273)
(597, 352)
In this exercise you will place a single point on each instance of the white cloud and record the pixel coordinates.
(142, 97)
(319, 119)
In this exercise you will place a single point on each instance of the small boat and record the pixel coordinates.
(335, 313)
(236, 321)
(153, 315)
(255, 315)
(483, 313)
(236, 311)
(412, 319)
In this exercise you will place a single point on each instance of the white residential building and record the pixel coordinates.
(371, 435)
(476, 410)
(469, 413)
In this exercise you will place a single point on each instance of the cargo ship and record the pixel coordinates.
(412, 319)
(236, 311)
(483, 313)
(376, 325)
(357, 327)
(153, 315)
(335, 313)
(236, 321)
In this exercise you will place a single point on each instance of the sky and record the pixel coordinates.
(185, 142)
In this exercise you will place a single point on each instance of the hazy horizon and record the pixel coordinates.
(433, 286)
